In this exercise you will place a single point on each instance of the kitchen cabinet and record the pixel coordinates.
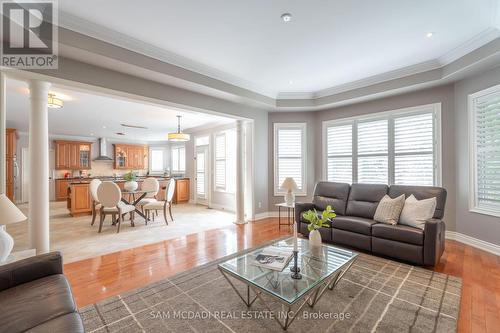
(130, 157)
(10, 160)
(62, 189)
(80, 199)
(181, 194)
(73, 155)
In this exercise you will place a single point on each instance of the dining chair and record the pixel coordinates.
(110, 195)
(155, 206)
(96, 206)
(152, 186)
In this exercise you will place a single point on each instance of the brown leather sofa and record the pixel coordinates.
(354, 226)
(36, 297)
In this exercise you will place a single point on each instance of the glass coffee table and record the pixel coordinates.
(321, 269)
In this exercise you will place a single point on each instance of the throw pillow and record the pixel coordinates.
(388, 210)
(416, 212)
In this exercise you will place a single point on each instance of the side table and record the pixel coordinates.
(289, 209)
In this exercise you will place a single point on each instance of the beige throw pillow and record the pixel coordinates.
(388, 210)
(416, 212)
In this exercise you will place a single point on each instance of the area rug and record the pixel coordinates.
(375, 295)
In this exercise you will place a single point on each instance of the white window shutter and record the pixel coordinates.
(290, 155)
(373, 152)
(339, 151)
(220, 161)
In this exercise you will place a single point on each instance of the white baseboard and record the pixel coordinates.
(265, 215)
(222, 207)
(477, 243)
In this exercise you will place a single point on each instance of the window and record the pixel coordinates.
(394, 147)
(157, 160)
(289, 155)
(484, 129)
(220, 161)
(178, 159)
(225, 161)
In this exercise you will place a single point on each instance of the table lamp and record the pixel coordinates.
(9, 214)
(289, 185)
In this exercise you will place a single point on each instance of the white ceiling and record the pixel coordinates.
(327, 43)
(87, 114)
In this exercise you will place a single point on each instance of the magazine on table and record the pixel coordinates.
(273, 258)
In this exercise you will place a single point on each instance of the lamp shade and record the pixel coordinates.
(289, 184)
(9, 212)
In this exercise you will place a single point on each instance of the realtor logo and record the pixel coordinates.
(29, 34)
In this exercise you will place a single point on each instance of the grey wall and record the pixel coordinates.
(476, 225)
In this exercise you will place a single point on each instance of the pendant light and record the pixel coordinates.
(178, 136)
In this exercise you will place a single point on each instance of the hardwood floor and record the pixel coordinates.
(101, 277)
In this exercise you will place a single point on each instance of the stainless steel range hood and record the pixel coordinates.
(103, 156)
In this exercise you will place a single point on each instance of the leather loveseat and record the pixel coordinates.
(36, 297)
(355, 206)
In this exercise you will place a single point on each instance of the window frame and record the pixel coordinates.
(172, 170)
(294, 125)
(474, 205)
(435, 108)
(164, 168)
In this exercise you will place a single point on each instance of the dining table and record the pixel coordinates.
(137, 196)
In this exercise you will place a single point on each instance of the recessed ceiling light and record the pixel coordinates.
(91, 134)
(287, 17)
(104, 127)
(290, 82)
(429, 34)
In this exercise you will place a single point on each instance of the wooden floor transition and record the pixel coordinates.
(101, 277)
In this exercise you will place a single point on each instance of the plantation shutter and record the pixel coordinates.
(414, 149)
(220, 161)
(290, 155)
(487, 148)
(339, 146)
(373, 152)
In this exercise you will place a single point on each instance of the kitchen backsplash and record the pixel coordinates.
(99, 169)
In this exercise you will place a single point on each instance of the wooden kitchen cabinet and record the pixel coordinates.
(81, 202)
(62, 189)
(10, 160)
(73, 155)
(181, 194)
(130, 157)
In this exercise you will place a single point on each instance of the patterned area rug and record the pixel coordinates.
(375, 295)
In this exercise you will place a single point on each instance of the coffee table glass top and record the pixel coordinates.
(316, 266)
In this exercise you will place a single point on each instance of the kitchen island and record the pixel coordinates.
(79, 199)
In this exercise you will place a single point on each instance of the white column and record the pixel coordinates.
(39, 166)
(3, 148)
(240, 190)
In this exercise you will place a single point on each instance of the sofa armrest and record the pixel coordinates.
(301, 207)
(30, 269)
(434, 241)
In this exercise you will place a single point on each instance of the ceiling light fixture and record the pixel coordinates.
(53, 102)
(429, 34)
(287, 17)
(178, 136)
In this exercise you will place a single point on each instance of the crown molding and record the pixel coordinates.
(483, 38)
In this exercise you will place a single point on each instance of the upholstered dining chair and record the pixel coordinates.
(152, 186)
(110, 195)
(96, 206)
(155, 206)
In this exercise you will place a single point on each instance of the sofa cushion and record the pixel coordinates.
(333, 194)
(400, 233)
(356, 224)
(30, 304)
(70, 322)
(422, 192)
(388, 209)
(364, 198)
